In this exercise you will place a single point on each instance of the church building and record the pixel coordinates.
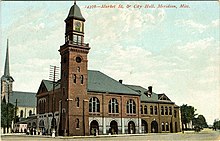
(87, 102)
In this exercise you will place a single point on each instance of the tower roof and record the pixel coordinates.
(6, 71)
(6, 75)
(75, 13)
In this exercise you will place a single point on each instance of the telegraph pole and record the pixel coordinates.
(54, 77)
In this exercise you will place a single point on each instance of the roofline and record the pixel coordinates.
(112, 93)
(24, 92)
(162, 102)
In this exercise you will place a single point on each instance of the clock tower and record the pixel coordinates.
(74, 73)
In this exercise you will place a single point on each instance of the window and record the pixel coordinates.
(155, 110)
(77, 102)
(163, 127)
(175, 113)
(77, 39)
(63, 91)
(167, 127)
(131, 107)
(141, 109)
(151, 110)
(78, 69)
(170, 110)
(113, 106)
(166, 110)
(21, 113)
(162, 110)
(94, 105)
(30, 113)
(77, 123)
(145, 109)
(74, 78)
(81, 79)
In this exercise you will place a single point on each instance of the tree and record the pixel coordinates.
(6, 115)
(200, 121)
(216, 124)
(187, 114)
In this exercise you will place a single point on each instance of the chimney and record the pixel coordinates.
(150, 89)
(120, 81)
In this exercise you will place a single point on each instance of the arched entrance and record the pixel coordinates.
(144, 126)
(94, 127)
(175, 126)
(113, 127)
(131, 127)
(154, 127)
(41, 126)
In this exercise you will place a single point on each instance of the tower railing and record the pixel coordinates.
(77, 43)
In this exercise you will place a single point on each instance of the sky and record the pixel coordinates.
(176, 50)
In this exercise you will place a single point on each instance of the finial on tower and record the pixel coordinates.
(75, 2)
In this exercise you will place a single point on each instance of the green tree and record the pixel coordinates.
(216, 124)
(187, 114)
(7, 114)
(200, 121)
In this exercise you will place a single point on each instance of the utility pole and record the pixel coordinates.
(54, 77)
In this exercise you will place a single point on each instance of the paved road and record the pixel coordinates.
(205, 135)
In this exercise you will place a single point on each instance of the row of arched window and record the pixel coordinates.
(22, 113)
(113, 107)
(165, 126)
(75, 79)
(153, 110)
(42, 105)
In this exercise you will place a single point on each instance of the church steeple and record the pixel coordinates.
(6, 79)
(6, 71)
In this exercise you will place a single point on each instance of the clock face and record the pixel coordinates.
(78, 24)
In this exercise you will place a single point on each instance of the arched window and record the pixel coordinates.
(131, 106)
(167, 126)
(74, 78)
(113, 106)
(175, 113)
(78, 69)
(166, 110)
(145, 109)
(155, 110)
(77, 123)
(151, 110)
(21, 113)
(162, 110)
(170, 110)
(94, 105)
(30, 113)
(141, 109)
(81, 79)
(77, 102)
(163, 127)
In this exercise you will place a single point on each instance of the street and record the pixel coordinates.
(206, 134)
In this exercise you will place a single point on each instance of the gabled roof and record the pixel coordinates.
(142, 91)
(99, 82)
(47, 85)
(154, 97)
(24, 99)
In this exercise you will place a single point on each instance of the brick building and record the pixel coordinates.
(85, 102)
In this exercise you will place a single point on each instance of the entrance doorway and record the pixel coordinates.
(144, 126)
(113, 127)
(154, 127)
(94, 127)
(131, 127)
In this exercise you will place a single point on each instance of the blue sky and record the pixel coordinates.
(175, 50)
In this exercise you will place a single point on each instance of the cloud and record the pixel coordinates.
(215, 23)
(191, 25)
